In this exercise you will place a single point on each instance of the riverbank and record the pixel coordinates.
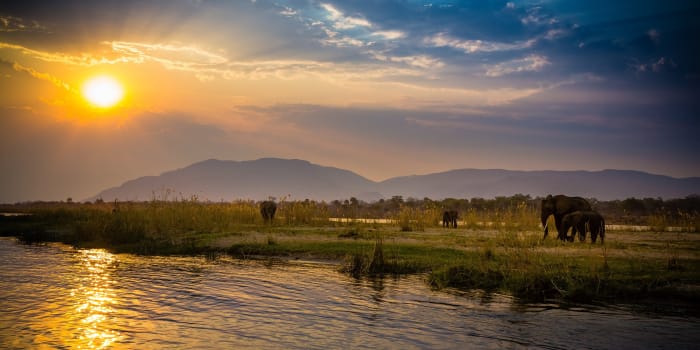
(630, 267)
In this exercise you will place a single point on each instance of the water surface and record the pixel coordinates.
(54, 296)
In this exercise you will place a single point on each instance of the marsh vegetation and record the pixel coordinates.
(498, 245)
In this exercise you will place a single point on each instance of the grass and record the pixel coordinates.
(508, 257)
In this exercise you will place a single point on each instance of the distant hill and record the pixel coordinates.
(217, 180)
(602, 185)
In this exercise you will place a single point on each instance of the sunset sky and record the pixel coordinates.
(382, 88)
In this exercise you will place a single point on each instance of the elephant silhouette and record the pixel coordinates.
(449, 218)
(559, 206)
(267, 210)
(582, 221)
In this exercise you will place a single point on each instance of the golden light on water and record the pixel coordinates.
(103, 91)
(96, 299)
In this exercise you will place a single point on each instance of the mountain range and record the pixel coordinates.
(226, 180)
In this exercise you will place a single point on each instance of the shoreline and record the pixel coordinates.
(630, 268)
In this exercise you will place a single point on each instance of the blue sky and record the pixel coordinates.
(382, 88)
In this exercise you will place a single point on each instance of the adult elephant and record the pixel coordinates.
(559, 206)
(449, 217)
(267, 210)
(582, 221)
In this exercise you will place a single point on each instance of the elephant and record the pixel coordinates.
(267, 210)
(582, 221)
(449, 217)
(559, 206)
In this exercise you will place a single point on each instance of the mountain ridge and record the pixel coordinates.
(226, 180)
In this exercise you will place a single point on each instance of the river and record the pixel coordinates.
(55, 296)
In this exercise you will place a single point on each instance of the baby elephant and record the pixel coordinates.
(582, 221)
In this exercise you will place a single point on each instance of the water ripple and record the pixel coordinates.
(59, 297)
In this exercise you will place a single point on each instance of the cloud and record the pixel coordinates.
(555, 34)
(288, 12)
(207, 65)
(475, 46)
(17, 24)
(534, 16)
(510, 5)
(176, 56)
(84, 60)
(420, 61)
(390, 34)
(334, 38)
(530, 63)
(655, 66)
(654, 35)
(42, 76)
(340, 21)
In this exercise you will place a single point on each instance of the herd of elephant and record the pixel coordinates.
(573, 213)
(570, 213)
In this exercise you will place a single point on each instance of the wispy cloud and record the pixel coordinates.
(420, 61)
(475, 46)
(17, 24)
(336, 29)
(85, 60)
(207, 65)
(288, 11)
(530, 63)
(654, 36)
(340, 21)
(171, 55)
(42, 76)
(390, 34)
(655, 66)
(534, 16)
(557, 33)
(334, 38)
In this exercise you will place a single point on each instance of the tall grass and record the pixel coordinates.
(303, 213)
(520, 216)
(687, 221)
(417, 219)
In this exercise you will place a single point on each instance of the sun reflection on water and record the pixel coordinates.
(96, 299)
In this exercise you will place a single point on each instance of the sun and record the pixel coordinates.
(103, 91)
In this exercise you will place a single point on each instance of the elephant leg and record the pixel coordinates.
(562, 230)
(573, 234)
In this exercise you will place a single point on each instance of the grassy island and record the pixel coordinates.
(500, 251)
